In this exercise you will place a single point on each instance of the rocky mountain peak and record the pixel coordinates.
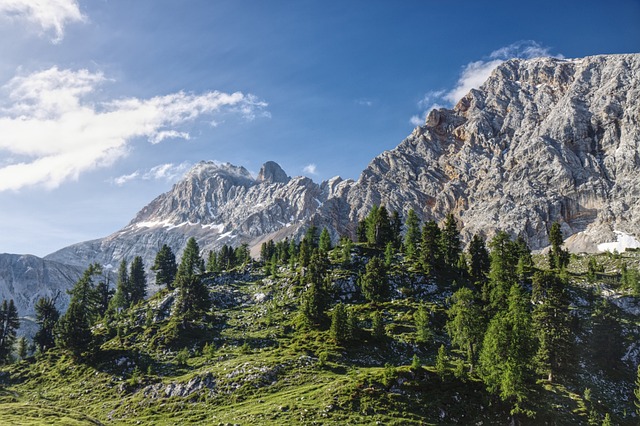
(271, 172)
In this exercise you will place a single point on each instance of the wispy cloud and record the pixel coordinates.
(311, 169)
(47, 15)
(55, 132)
(168, 172)
(364, 102)
(477, 72)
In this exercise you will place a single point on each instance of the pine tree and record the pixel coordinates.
(450, 242)
(85, 293)
(122, 298)
(374, 282)
(479, 263)
(193, 299)
(441, 362)
(389, 255)
(465, 325)
(379, 231)
(22, 347)
(47, 316)
(377, 326)
(324, 245)
(165, 267)
(551, 321)
(396, 230)
(503, 271)
(422, 323)
(191, 263)
(505, 357)
(361, 231)
(74, 330)
(137, 281)
(9, 323)
(429, 248)
(558, 257)
(339, 330)
(315, 299)
(412, 236)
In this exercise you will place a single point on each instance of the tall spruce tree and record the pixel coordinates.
(466, 325)
(324, 245)
(339, 327)
(507, 349)
(450, 242)
(558, 257)
(47, 316)
(74, 327)
(551, 321)
(479, 263)
(193, 299)
(9, 324)
(137, 281)
(374, 282)
(422, 323)
(412, 236)
(165, 267)
(122, 298)
(429, 248)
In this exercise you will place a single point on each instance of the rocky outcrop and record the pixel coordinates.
(26, 278)
(541, 140)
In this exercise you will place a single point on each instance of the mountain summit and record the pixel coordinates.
(542, 140)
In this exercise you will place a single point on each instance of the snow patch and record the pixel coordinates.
(624, 241)
(225, 235)
(218, 227)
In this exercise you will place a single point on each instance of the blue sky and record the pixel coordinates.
(105, 103)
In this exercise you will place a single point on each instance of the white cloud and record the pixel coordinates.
(121, 180)
(474, 74)
(48, 15)
(311, 169)
(168, 172)
(55, 133)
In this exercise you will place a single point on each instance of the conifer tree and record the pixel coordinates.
(22, 347)
(505, 357)
(191, 262)
(450, 242)
(47, 316)
(379, 230)
(85, 293)
(551, 321)
(315, 300)
(429, 247)
(374, 282)
(122, 298)
(377, 326)
(558, 257)
(479, 263)
(137, 281)
(396, 230)
(441, 362)
(503, 271)
(422, 322)
(74, 330)
(165, 267)
(389, 254)
(193, 299)
(324, 244)
(361, 231)
(9, 323)
(412, 236)
(465, 325)
(339, 330)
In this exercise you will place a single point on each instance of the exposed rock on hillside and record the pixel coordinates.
(541, 140)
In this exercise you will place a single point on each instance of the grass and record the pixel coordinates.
(261, 367)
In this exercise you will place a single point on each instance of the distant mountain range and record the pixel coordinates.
(542, 140)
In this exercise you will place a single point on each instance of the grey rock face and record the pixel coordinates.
(541, 140)
(26, 278)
